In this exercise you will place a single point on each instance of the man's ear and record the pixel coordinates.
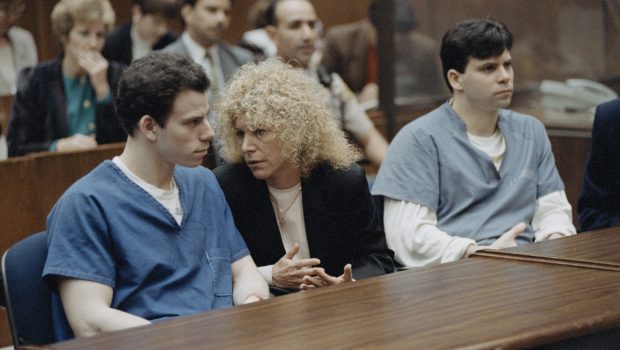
(272, 32)
(136, 11)
(149, 127)
(186, 11)
(64, 38)
(454, 78)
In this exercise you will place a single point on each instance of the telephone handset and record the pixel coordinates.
(575, 95)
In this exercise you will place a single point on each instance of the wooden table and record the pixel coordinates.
(600, 249)
(478, 303)
(602, 245)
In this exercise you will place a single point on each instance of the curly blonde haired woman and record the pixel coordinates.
(296, 193)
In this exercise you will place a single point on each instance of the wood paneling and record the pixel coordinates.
(30, 186)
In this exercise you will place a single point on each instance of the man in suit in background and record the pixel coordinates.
(205, 24)
(599, 203)
(147, 32)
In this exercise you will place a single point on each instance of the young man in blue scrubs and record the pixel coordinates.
(149, 235)
(471, 174)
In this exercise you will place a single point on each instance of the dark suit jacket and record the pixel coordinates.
(39, 114)
(417, 68)
(118, 45)
(341, 224)
(599, 203)
(231, 57)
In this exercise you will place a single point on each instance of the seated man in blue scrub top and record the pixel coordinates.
(470, 174)
(149, 235)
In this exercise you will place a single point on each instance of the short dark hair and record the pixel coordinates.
(478, 38)
(270, 13)
(151, 84)
(166, 8)
(192, 3)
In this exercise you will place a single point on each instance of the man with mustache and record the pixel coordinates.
(471, 174)
(293, 27)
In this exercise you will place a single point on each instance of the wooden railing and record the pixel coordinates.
(29, 187)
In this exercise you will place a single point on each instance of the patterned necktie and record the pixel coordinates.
(213, 88)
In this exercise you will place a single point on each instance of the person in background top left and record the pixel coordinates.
(147, 32)
(67, 103)
(17, 51)
(17, 47)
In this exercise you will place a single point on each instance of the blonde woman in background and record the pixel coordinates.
(67, 103)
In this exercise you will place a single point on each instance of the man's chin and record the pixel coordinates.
(506, 104)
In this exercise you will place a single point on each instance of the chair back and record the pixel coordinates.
(28, 297)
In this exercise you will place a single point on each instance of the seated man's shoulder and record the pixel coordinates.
(99, 181)
(522, 121)
(166, 40)
(609, 110)
(429, 123)
(241, 55)
(177, 46)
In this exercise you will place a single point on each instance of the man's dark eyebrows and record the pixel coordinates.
(295, 23)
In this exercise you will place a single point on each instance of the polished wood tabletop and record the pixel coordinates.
(472, 304)
(601, 246)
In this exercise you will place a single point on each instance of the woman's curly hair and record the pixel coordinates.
(275, 96)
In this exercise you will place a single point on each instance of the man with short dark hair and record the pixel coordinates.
(147, 31)
(149, 235)
(293, 27)
(471, 174)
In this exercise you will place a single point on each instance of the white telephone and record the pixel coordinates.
(575, 95)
